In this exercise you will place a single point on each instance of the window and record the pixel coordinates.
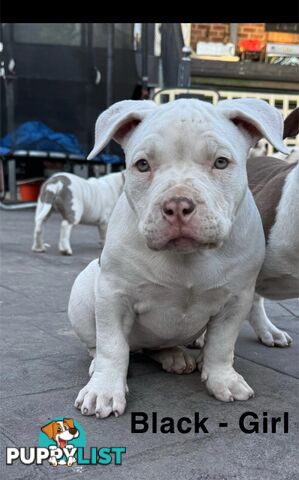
(282, 27)
(123, 35)
(48, 33)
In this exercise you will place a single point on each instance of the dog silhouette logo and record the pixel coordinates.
(62, 436)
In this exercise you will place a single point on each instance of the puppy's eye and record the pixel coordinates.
(142, 165)
(221, 163)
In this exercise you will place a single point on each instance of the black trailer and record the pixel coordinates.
(57, 74)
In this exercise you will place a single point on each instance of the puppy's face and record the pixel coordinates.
(185, 177)
(61, 431)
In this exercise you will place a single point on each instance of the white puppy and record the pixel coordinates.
(184, 245)
(78, 201)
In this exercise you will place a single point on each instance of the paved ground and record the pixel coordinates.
(44, 365)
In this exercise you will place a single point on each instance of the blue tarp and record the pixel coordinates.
(38, 136)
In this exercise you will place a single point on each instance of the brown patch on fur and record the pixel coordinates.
(62, 201)
(266, 178)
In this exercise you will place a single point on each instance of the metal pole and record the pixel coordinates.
(9, 76)
(110, 59)
(144, 53)
(184, 74)
(12, 183)
(233, 33)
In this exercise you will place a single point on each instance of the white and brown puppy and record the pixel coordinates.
(61, 431)
(184, 245)
(78, 201)
(275, 187)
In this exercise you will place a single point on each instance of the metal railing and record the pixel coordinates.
(285, 102)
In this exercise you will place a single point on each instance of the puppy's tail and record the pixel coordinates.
(46, 199)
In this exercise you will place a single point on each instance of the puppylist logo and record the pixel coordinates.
(62, 443)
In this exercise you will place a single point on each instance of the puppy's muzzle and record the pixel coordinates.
(178, 210)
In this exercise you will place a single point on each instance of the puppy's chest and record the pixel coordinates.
(166, 316)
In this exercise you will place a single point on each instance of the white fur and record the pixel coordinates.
(162, 283)
(292, 157)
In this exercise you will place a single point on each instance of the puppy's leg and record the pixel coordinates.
(81, 307)
(174, 360)
(64, 239)
(218, 373)
(42, 212)
(266, 332)
(102, 227)
(108, 318)
(38, 240)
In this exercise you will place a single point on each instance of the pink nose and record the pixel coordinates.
(178, 209)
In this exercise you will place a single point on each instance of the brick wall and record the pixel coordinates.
(209, 32)
(219, 32)
(252, 30)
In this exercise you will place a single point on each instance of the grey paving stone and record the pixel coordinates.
(283, 360)
(228, 452)
(291, 305)
(44, 365)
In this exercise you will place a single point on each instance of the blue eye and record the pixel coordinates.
(221, 163)
(142, 165)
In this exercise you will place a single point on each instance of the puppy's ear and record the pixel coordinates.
(49, 429)
(291, 124)
(119, 121)
(257, 119)
(69, 422)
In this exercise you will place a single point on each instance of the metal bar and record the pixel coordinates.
(144, 55)
(233, 33)
(12, 180)
(110, 58)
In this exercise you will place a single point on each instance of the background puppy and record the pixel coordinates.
(78, 201)
(275, 187)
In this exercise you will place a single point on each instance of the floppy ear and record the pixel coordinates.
(258, 119)
(49, 429)
(120, 119)
(291, 124)
(69, 422)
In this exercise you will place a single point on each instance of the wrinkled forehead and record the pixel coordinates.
(183, 123)
(184, 114)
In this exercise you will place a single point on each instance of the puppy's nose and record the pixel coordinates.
(178, 209)
(73, 431)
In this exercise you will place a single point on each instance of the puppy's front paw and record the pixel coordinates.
(102, 396)
(226, 384)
